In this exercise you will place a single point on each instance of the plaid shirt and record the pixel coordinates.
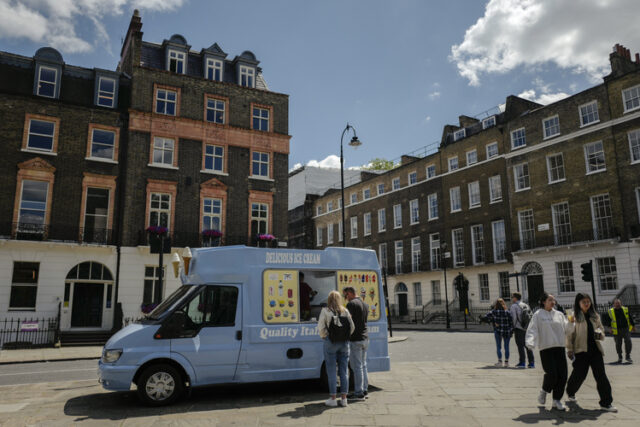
(501, 320)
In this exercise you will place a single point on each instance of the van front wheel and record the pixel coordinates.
(160, 385)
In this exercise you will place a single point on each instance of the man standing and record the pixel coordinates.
(621, 326)
(358, 343)
(517, 310)
(306, 295)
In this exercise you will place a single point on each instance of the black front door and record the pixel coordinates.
(402, 305)
(87, 305)
(535, 287)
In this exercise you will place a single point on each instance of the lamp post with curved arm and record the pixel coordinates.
(355, 142)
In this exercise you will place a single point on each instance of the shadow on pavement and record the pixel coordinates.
(312, 409)
(574, 414)
(121, 405)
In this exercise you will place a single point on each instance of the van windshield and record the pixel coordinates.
(166, 305)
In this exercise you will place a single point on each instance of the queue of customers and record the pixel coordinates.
(344, 333)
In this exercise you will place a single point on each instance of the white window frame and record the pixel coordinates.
(213, 157)
(260, 162)
(398, 247)
(330, 233)
(416, 254)
(380, 188)
(382, 255)
(483, 285)
(495, 243)
(455, 195)
(330, 206)
(366, 194)
(515, 138)
(459, 134)
(527, 235)
(598, 221)
(472, 161)
(160, 210)
(516, 178)
(630, 90)
(488, 147)
(457, 243)
(414, 212)
(634, 139)
(54, 83)
(382, 220)
(397, 216)
(430, 206)
(179, 57)
(367, 223)
(354, 198)
(261, 119)
(261, 208)
(30, 227)
(582, 116)
(214, 65)
(103, 94)
(595, 153)
(612, 274)
(495, 189)
(166, 101)
(340, 226)
(417, 294)
(434, 252)
(52, 136)
(412, 178)
(162, 148)
(216, 108)
(551, 168)
(215, 203)
(318, 210)
(395, 184)
(474, 192)
(354, 227)
(452, 166)
(318, 236)
(560, 234)
(475, 247)
(23, 285)
(428, 170)
(564, 277)
(247, 75)
(544, 127)
(489, 122)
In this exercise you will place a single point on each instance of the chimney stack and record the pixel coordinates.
(622, 61)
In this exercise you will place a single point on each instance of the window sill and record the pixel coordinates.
(631, 110)
(46, 153)
(433, 219)
(635, 162)
(495, 201)
(160, 166)
(502, 261)
(397, 228)
(382, 231)
(415, 223)
(518, 147)
(365, 235)
(456, 211)
(546, 138)
(210, 172)
(97, 159)
(558, 181)
(596, 172)
(523, 189)
(261, 178)
(475, 207)
(164, 115)
(475, 264)
(589, 124)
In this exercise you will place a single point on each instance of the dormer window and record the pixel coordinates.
(47, 78)
(214, 70)
(247, 76)
(459, 134)
(106, 92)
(176, 62)
(489, 122)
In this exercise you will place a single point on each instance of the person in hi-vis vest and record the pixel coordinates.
(621, 327)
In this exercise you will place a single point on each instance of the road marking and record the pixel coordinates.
(49, 372)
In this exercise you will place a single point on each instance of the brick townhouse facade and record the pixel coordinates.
(187, 140)
(531, 189)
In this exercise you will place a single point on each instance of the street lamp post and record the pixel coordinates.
(443, 251)
(353, 143)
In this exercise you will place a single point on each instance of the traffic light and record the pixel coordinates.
(587, 271)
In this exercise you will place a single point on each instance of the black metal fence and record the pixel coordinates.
(28, 333)
(56, 232)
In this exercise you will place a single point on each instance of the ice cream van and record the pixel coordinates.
(243, 315)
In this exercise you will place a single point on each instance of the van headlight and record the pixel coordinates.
(110, 356)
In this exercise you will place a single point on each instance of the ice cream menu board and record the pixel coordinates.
(367, 288)
(280, 296)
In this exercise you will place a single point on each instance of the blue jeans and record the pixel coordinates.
(499, 340)
(358, 362)
(337, 353)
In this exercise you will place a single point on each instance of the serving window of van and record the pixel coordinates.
(294, 296)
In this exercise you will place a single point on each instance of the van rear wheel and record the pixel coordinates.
(160, 385)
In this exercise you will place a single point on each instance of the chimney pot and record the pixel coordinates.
(637, 58)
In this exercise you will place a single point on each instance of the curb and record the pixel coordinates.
(396, 339)
(69, 359)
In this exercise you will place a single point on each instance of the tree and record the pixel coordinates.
(379, 164)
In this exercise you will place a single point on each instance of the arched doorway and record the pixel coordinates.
(402, 294)
(533, 281)
(88, 289)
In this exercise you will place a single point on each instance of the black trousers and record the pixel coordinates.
(554, 364)
(522, 349)
(626, 337)
(581, 366)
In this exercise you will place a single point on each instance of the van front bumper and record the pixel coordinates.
(115, 378)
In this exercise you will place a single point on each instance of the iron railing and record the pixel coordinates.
(573, 237)
(55, 232)
(17, 333)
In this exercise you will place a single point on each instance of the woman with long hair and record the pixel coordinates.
(583, 343)
(335, 351)
(502, 322)
(547, 330)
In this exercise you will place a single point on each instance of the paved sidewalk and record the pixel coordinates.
(422, 393)
(49, 354)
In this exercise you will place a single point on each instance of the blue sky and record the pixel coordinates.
(396, 70)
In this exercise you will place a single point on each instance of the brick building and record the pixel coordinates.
(531, 189)
(188, 140)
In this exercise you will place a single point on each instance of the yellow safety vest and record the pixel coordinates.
(614, 323)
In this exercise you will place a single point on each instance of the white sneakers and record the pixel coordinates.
(335, 402)
(609, 408)
(343, 402)
(572, 399)
(542, 398)
(558, 405)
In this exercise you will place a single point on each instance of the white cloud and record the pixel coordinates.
(55, 22)
(426, 119)
(330, 162)
(573, 34)
(543, 98)
(434, 95)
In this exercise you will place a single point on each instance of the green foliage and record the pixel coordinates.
(380, 164)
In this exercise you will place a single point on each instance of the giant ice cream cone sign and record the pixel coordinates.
(175, 260)
(186, 257)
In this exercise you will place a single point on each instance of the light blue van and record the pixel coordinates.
(243, 316)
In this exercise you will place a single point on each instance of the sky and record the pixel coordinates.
(396, 70)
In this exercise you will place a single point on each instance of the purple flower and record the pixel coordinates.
(211, 233)
(160, 231)
(266, 237)
(148, 308)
